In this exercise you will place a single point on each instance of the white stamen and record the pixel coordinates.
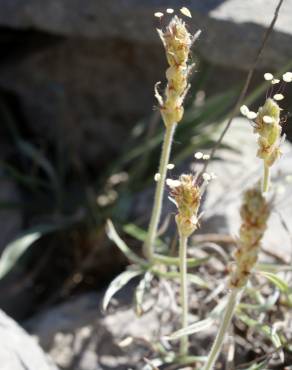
(157, 177)
(173, 183)
(282, 140)
(244, 110)
(251, 115)
(172, 200)
(169, 10)
(206, 157)
(157, 95)
(280, 189)
(268, 119)
(194, 220)
(278, 97)
(268, 76)
(287, 77)
(275, 81)
(126, 342)
(185, 11)
(199, 155)
(170, 166)
(206, 177)
(158, 14)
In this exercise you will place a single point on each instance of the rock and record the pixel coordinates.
(79, 337)
(18, 351)
(242, 24)
(86, 104)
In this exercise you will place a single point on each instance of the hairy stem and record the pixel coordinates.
(184, 342)
(227, 316)
(266, 179)
(158, 198)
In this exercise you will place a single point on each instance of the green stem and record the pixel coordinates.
(217, 345)
(158, 198)
(184, 342)
(266, 178)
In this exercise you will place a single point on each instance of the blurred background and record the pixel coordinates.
(80, 133)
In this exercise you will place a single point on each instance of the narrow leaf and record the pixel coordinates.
(176, 275)
(260, 366)
(135, 231)
(140, 234)
(272, 267)
(265, 306)
(37, 156)
(15, 250)
(113, 235)
(117, 284)
(264, 328)
(195, 279)
(140, 291)
(281, 284)
(168, 260)
(191, 329)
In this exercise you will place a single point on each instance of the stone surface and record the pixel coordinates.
(82, 96)
(18, 351)
(241, 23)
(79, 337)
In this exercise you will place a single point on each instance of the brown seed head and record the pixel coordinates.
(177, 42)
(267, 125)
(187, 197)
(254, 212)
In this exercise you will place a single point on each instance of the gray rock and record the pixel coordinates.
(18, 351)
(231, 29)
(84, 94)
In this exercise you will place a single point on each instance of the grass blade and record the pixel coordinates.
(117, 284)
(260, 366)
(15, 250)
(281, 284)
(176, 275)
(191, 329)
(263, 328)
(140, 234)
(140, 291)
(113, 236)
